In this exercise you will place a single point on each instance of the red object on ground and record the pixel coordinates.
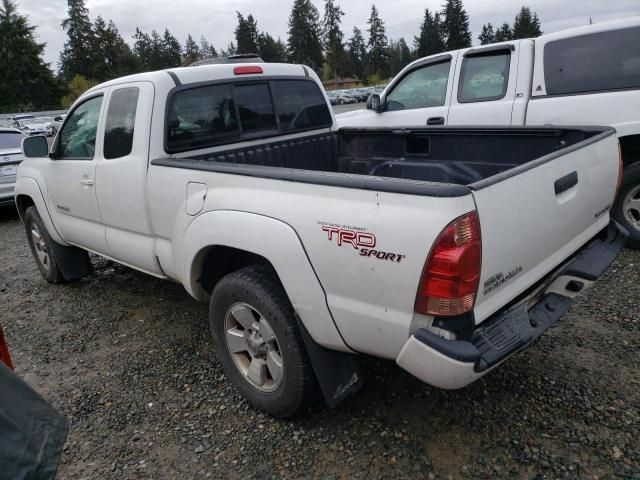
(4, 351)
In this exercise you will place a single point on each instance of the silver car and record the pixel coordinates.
(36, 126)
(10, 157)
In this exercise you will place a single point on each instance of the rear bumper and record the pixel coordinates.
(454, 364)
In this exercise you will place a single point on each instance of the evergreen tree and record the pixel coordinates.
(357, 53)
(455, 26)
(378, 57)
(77, 55)
(26, 82)
(399, 55)
(191, 51)
(157, 52)
(143, 49)
(247, 34)
(207, 50)
(271, 50)
(305, 35)
(526, 25)
(113, 57)
(429, 42)
(504, 33)
(171, 50)
(231, 50)
(335, 55)
(487, 35)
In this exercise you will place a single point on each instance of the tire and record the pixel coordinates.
(275, 375)
(42, 247)
(624, 211)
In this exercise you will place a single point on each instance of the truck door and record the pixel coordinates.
(420, 96)
(122, 175)
(70, 176)
(485, 86)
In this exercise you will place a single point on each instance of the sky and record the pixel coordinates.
(216, 19)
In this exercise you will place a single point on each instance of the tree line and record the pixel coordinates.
(96, 51)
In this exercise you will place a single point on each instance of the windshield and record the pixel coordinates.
(10, 140)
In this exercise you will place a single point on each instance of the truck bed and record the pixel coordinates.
(472, 157)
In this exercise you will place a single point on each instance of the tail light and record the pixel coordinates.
(450, 278)
(247, 70)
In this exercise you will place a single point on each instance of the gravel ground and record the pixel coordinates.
(128, 359)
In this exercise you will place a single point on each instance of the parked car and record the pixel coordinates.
(36, 126)
(288, 226)
(333, 98)
(10, 158)
(361, 94)
(18, 118)
(57, 123)
(344, 98)
(586, 75)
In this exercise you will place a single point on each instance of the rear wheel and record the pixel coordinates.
(627, 207)
(259, 342)
(41, 246)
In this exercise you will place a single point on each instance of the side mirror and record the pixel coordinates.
(374, 103)
(35, 147)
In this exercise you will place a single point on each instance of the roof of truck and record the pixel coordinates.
(621, 23)
(204, 73)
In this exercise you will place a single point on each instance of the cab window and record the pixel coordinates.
(201, 117)
(421, 88)
(484, 77)
(592, 63)
(78, 136)
(121, 117)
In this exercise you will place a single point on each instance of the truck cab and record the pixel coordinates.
(583, 76)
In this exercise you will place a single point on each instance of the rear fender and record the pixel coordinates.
(277, 242)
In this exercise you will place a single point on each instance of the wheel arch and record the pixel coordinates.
(219, 242)
(630, 149)
(28, 194)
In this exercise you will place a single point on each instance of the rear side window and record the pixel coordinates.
(121, 118)
(300, 105)
(484, 77)
(214, 115)
(201, 117)
(10, 140)
(594, 62)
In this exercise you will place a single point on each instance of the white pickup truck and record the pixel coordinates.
(582, 76)
(446, 250)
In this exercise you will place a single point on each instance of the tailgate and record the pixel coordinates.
(535, 216)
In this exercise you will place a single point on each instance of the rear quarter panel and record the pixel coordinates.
(371, 300)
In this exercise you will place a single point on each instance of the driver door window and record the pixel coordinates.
(78, 136)
(422, 88)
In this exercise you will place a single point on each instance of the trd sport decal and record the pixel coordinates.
(359, 239)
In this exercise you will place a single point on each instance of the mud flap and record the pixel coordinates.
(338, 373)
(73, 262)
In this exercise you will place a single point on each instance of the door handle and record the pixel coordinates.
(565, 183)
(87, 181)
(435, 121)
